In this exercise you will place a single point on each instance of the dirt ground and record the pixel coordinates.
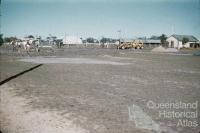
(93, 91)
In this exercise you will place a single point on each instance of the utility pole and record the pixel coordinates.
(119, 34)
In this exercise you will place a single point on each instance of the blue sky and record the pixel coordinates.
(98, 18)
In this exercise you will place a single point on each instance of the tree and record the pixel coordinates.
(1, 39)
(51, 38)
(104, 40)
(90, 40)
(10, 39)
(185, 40)
(153, 37)
(39, 38)
(163, 38)
(30, 36)
(107, 40)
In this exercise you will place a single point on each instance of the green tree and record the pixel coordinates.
(104, 40)
(153, 37)
(163, 38)
(185, 40)
(90, 40)
(10, 39)
(30, 36)
(1, 39)
(107, 40)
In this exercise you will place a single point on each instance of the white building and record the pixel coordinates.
(176, 41)
(72, 40)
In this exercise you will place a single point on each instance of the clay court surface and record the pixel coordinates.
(93, 90)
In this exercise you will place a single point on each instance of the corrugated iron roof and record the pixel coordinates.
(151, 41)
(189, 37)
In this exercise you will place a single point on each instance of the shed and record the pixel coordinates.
(176, 41)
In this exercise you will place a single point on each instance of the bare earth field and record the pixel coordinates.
(98, 91)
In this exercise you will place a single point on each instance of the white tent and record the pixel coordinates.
(72, 40)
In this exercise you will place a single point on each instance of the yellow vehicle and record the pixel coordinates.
(137, 44)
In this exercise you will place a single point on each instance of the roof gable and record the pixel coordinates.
(189, 37)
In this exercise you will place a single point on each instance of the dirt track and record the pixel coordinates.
(94, 93)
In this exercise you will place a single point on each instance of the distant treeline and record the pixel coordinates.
(163, 38)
